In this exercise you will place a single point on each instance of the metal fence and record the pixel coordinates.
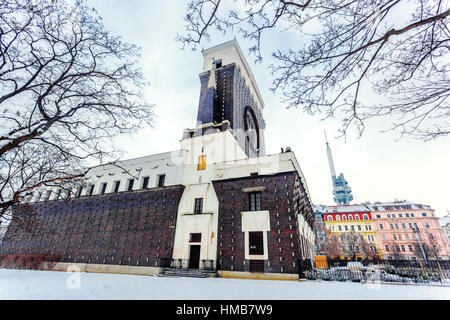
(399, 271)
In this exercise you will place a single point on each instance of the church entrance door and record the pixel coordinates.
(194, 257)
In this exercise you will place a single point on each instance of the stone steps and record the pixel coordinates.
(193, 273)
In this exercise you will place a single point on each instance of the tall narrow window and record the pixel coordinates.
(256, 243)
(247, 145)
(116, 186)
(198, 206)
(201, 163)
(91, 189)
(255, 201)
(130, 184)
(103, 189)
(145, 182)
(161, 180)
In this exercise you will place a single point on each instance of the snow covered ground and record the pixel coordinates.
(21, 284)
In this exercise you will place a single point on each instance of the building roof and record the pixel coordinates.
(445, 220)
(376, 206)
(396, 205)
(341, 208)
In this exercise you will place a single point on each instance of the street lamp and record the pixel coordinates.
(417, 231)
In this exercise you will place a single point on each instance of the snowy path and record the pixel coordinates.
(19, 284)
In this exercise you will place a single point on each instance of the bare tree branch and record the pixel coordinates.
(363, 59)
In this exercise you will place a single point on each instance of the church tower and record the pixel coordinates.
(230, 99)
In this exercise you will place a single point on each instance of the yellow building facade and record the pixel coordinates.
(354, 229)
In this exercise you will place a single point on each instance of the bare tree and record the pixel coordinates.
(351, 246)
(333, 247)
(321, 236)
(67, 86)
(348, 54)
(367, 250)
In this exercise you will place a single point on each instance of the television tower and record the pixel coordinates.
(341, 190)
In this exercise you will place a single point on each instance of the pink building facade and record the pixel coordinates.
(410, 231)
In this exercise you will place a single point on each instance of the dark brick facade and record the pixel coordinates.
(284, 197)
(229, 102)
(129, 228)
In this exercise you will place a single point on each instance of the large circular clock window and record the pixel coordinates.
(251, 129)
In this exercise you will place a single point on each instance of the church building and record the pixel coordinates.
(218, 203)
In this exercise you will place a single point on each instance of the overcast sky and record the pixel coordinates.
(378, 166)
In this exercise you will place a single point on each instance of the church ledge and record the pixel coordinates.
(196, 214)
(84, 197)
(255, 177)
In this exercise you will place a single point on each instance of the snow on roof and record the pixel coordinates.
(397, 205)
(341, 208)
(376, 206)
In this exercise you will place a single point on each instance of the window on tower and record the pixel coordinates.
(255, 201)
(198, 207)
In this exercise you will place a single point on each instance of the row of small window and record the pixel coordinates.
(350, 217)
(350, 238)
(368, 227)
(400, 248)
(102, 189)
(400, 215)
(399, 236)
(395, 226)
(372, 248)
(407, 207)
